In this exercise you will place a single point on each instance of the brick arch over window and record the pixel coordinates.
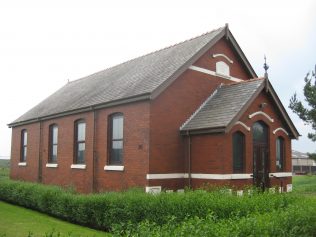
(115, 139)
(80, 141)
(238, 152)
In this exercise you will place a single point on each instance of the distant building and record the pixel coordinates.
(301, 164)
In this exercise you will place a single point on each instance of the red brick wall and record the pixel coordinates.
(80, 179)
(136, 134)
(136, 148)
(30, 171)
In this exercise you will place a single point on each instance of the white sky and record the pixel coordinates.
(45, 43)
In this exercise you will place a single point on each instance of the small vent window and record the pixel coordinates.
(222, 68)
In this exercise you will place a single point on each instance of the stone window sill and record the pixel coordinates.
(51, 165)
(22, 164)
(114, 167)
(78, 166)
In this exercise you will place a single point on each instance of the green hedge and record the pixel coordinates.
(107, 211)
(296, 220)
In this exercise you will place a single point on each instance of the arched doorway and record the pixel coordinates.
(260, 155)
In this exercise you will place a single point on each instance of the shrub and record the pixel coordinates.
(296, 220)
(124, 210)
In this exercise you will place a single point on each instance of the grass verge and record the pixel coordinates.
(305, 184)
(20, 222)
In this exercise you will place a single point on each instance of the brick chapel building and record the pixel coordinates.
(191, 114)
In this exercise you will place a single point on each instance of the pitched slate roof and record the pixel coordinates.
(222, 106)
(140, 76)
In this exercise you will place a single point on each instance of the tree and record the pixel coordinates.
(307, 112)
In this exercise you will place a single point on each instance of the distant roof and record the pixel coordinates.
(137, 79)
(226, 105)
(222, 106)
(299, 155)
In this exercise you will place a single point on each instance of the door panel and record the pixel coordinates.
(260, 166)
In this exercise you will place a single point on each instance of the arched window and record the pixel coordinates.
(53, 143)
(238, 152)
(222, 68)
(279, 154)
(115, 135)
(80, 142)
(260, 133)
(23, 145)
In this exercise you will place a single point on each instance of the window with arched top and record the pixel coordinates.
(260, 133)
(238, 152)
(222, 68)
(23, 145)
(80, 142)
(115, 135)
(280, 154)
(53, 143)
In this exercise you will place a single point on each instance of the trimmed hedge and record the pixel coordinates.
(108, 211)
(296, 220)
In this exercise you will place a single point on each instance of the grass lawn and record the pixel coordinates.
(4, 168)
(304, 184)
(4, 173)
(4, 163)
(17, 221)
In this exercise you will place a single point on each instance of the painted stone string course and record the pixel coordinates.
(191, 115)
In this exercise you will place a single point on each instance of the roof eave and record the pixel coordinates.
(141, 97)
(202, 131)
(285, 115)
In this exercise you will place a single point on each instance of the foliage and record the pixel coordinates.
(307, 113)
(20, 222)
(304, 184)
(103, 211)
(296, 220)
(199, 213)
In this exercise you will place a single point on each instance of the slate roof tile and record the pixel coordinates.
(132, 78)
(222, 106)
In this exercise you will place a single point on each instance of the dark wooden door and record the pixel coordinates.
(260, 155)
(260, 166)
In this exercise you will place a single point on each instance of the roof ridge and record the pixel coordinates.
(147, 54)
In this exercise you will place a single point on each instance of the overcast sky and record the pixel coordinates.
(45, 43)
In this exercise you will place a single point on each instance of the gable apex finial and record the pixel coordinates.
(226, 30)
(265, 67)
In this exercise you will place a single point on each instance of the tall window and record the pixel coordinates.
(280, 154)
(80, 142)
(116, 139)
(23, 145)
(238, 152)
(53, 143)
